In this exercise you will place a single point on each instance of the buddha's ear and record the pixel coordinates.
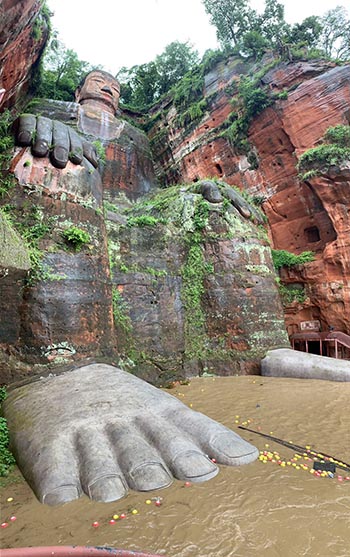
(77, 93)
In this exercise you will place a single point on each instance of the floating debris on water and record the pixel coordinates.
(296, 463)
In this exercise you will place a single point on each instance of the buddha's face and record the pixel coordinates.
(100, 87)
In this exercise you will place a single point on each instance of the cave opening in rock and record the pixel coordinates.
(219, 169)
(312, 234)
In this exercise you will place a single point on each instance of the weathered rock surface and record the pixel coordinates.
(196, 287)
(193, 289)
(302, 216)
(192, 286)
(14, 267)
(23, 34)
(63, 307)
(64, 310)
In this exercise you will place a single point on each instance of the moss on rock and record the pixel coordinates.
(13, 250)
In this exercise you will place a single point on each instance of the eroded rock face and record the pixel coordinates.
(327, 278)
(14, 267)
(302, 216)
(176, 285)
(23, 34)
(195, 285)
(63, 306)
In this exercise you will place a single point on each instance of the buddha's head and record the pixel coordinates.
(101, 88)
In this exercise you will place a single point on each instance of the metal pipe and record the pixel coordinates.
(71, 550)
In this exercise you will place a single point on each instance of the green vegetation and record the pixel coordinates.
(189, 89)
(42, 22)
(282, 95)
(213, 57)
(255, 99)
(335, 152)
(241, 30)
(61, 72)
(290, 294)
(251, 33)
(160, 203)
(7, 180)
(236, 134)
(283, 258)
(145, 220)
(194, 113)
(142, 85)
(121, 318)
(251, 100)
(334, 38)
(193, 273)
(76, 237)
(157, 273)
(100, 150)
(324, 156)
(339, 135)
(32, 225)
(201, 215)
(6, 458)
(108, 206)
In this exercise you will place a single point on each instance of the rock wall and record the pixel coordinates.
(63, 306)
(23, 35)
(172, 284)
(302, 216)
(194, 287)
(14, 267)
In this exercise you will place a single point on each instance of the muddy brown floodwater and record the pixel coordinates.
(258, 509)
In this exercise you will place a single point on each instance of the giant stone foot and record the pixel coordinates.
(284, 362)
(101, 431)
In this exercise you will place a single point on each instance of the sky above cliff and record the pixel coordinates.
(115, 34)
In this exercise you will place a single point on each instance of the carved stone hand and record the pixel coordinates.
(216, 192)
(52, 138)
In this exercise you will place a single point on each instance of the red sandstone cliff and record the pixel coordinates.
(312, 215)
(23, 35)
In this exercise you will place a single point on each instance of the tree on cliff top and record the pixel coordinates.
(252, 33)
(176, 60)
(232, 19)
(307, 32)
(335, 35)
(61, 72)
(142, 85)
